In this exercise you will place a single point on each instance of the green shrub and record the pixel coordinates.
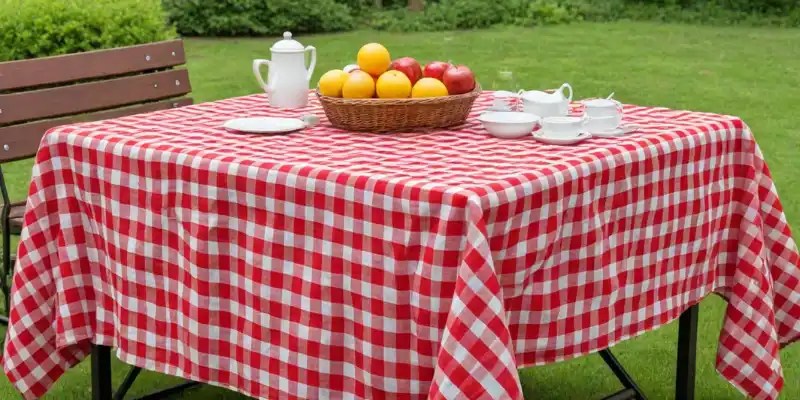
(365, 6)
(542, 12)
(445, 15)
(471, 14)
(475, 14)
(768, 7)
(38, 28)
(258, 17)
(697, 13)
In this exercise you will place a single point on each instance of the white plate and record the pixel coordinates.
(269, 124)
(622, 130)
(562, 141)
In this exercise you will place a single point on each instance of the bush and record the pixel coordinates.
(258, 17)
(698, 13)
(38, 28)
(769, 7)
(471, 14)
(475, 14)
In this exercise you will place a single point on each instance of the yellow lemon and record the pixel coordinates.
(359, 85)
(393, 85)
(429, 87)
(330, 84)
(374, 59)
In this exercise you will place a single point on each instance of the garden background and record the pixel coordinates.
(739, 57)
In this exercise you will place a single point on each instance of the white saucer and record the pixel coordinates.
(562, 141)
(270, 124)
(619, 131)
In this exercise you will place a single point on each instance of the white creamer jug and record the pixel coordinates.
(546, 104)
(288, 79)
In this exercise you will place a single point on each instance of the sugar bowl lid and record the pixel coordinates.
(600, 103)
(287, 45)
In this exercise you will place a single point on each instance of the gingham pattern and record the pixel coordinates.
(327, 264)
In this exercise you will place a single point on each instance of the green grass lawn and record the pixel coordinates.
(752, 73)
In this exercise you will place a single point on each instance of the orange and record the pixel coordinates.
(359, 85)
(330, 84)
(374, 59)
(429, 87)
(393, 85)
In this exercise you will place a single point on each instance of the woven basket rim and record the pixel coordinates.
(474, 93)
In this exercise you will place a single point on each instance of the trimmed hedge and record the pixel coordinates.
(474, 14)
(38, 28)
(258, 17)
(471, 14)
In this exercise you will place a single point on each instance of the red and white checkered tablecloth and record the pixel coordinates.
(328, 264)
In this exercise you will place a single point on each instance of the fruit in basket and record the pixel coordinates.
(393, 85)
(459, 80)
(374, 59)
(330, 84)
(428, 87)
(409, 66)
(350, 68)
(435, 69)
(359, 85)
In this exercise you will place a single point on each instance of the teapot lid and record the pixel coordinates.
(287, 45)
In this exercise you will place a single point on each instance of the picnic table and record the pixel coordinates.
(333, 264)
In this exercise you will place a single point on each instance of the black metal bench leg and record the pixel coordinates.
(687, 354)
(7, 265)
(101, 373)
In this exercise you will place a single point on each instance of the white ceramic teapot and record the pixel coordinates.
(546, 104)
(288, 80)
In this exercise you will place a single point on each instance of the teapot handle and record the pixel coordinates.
(566, 86)
(313, 63)
(257, 71)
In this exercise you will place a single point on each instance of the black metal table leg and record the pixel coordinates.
(101, 373)
(170, 392)
(687, 354)
(631, 388)
(122, 390)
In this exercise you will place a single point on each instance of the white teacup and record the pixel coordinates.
(562, 127)
(503, 101)
(599, 108)
(600, 124)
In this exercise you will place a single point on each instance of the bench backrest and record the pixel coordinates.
(41, 93)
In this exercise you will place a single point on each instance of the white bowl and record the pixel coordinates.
(509, 124)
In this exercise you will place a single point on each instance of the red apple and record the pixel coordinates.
(408, 66)
(459, 80)
(435, 69)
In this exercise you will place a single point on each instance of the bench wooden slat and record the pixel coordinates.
(92, 64)
(23, 140)
(80, 98)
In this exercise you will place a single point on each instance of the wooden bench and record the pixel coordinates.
(42, 93)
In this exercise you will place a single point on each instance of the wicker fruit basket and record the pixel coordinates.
(398, 115)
